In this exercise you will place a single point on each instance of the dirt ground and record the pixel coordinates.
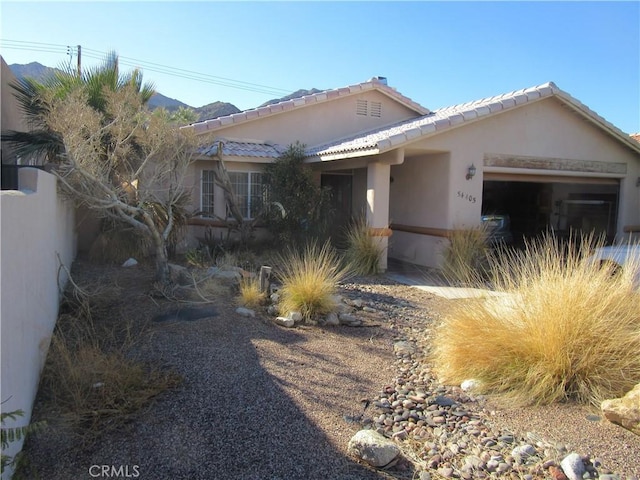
(260, 401)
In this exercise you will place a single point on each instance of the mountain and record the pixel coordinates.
(158, 100)
(215, 109)
(206, 112)
(34, 70)
(296, 94)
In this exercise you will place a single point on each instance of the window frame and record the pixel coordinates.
(246, 206)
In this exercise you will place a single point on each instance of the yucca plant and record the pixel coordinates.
(363, 251)
(559, 327)
(310, 279)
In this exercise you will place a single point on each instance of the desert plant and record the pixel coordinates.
(298, 208)
(9, 435)
(197, 257)
(363, 251)
(89, 380)
(466, 256)
(116, 243)
(559, 327)
(310, 279)
(251, 295)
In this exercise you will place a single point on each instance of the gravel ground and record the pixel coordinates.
(263, 402)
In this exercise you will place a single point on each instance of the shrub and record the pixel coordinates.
(116, 243)
(560, 328)
(89, 380)
(363, 251)
(466, 256)
(310, 280)
(250, 294)
(298, 208)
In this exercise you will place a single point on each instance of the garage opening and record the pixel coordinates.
(534, 207)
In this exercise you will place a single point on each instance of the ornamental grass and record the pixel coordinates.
(466, 256)
(559, 328)
(251, 296)
(310, 279)
(363, 250)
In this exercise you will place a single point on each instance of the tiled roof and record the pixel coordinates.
(635, 136)
(394, 136)
(242, 149)
(327, 95)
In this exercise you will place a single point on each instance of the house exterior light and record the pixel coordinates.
(471, 172)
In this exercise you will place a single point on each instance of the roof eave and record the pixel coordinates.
(327, 157)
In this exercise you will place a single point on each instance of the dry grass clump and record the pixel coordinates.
(562, 328)
(251, 296)
(116, 244)
(89, 380)
(363, 251)
(310, 280)
(466, 256)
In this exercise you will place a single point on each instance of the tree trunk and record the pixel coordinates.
(162, 263)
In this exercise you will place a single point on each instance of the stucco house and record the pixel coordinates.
(537, 154)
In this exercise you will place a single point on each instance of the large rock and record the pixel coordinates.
(232, 275)
(624, 411)
(373, 448)
(573, 466)
(284, 321)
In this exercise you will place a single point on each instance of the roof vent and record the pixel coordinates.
(382, 80)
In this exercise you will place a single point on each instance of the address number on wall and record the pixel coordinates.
(467, 197)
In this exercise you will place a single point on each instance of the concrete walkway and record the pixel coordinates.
(431, 280)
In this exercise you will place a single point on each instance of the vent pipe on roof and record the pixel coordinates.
(382, 80)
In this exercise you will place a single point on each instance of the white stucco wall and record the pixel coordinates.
(36, 226)
(441, 196)
(318, 123)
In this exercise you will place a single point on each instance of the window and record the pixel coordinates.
(206, 197)
(250, 192)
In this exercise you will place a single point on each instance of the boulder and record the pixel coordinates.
(230, 275)
(573, 466)
(131, 262)
(245, 312)
(284, 322)
(331, 319)
(470, 385)
(179, 274)
(624, 411)
(373, 448)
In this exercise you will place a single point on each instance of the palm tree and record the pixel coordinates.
(42, 142)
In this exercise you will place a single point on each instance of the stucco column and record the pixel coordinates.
(378, 206)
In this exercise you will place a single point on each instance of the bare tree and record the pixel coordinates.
(124, 162)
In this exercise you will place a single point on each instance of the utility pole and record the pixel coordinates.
(79, 61)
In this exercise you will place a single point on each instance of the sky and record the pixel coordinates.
(436, 53)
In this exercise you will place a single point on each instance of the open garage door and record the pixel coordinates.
(538, 203)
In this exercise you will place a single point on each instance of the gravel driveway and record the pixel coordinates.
(264, 402)
(257, 402)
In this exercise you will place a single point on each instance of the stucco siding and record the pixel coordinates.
(323, 122)
(37, 226)
(545, 129)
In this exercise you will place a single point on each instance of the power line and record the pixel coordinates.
(149, 66)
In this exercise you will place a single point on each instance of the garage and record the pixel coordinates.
(538, 203)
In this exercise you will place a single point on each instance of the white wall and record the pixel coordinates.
(36, 225)
(431, 190)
